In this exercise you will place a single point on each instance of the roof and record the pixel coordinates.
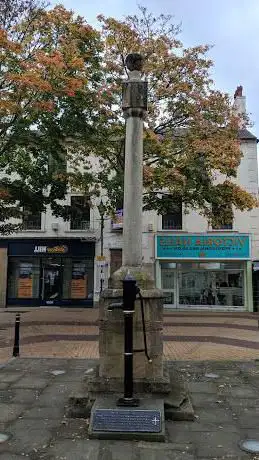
(244, 134)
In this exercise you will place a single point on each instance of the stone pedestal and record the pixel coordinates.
(152, 381)
(111, 332)
(111, 337)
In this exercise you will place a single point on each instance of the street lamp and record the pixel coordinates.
(101, 209)
(100, 204)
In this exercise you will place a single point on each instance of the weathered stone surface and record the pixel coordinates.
(73, 429)
(9, 456)
(51, 413)
(111, 335)
(61, 437)
(9, 412)
(55, 394)
(27, 382)
(10, 377)
(184, 412)
(29, 435)
(95, 384)
(79, 406)
(79, 450)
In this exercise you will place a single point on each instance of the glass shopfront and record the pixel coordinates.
(56, 274)
(202, 283)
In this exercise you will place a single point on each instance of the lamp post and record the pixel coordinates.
(101, 209)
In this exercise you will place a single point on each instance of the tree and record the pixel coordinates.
(49, 77)
(191, 132)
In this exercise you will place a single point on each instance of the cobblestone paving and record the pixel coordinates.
(225, 396)
(187, 335)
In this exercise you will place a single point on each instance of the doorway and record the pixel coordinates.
(169, 284)
(51, 282)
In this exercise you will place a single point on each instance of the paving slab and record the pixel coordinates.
(8, 456)
(30, 435)
(38, 383)
(77, 450)
(41, 431)
(51, 413)
(9, 412)
(10, 377)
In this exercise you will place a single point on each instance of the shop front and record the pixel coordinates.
(203, 271)
(50, 272)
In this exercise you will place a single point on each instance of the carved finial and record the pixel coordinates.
(238, 92)
(134, 61)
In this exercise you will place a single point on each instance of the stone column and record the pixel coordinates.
(147, 376)
(134, 105)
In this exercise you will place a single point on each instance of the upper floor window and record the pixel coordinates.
(222, 217)
(57, 164)
(174, 219)
(31, 220)
(80, 213)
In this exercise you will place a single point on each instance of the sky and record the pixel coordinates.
(231, 26)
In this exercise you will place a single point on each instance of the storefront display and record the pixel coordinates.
(190, 277)
(50, 273)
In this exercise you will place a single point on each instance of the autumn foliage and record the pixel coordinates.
(49, 64)
(60, 98)
(191, 132)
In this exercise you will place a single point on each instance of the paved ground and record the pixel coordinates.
(33, 400)
(187, 335)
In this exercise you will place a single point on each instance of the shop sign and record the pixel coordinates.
(62, 249)
(208, 247)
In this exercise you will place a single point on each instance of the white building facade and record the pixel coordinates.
(52, 262)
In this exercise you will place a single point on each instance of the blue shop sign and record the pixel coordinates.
(208, 247)
(51, 248)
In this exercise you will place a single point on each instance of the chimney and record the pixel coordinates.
(240, 103)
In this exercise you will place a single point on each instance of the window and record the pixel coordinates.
(80, 213)
(208, 287)
(31, 220)
(222, 217)
(24, 277)
(57, 163)
(173, 220)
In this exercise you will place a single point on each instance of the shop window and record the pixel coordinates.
(23, 278)
(31, 220)
(78, 278)
(222, 217)
(208, 288)
(174, 219)
(80, 213)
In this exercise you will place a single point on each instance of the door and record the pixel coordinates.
(116, 260)
(169, 284)
(51, 283)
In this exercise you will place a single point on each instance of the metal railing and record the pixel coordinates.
(78, 224)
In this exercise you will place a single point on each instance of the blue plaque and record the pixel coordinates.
(127, 420)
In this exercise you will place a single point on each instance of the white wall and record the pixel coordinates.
(247, 222)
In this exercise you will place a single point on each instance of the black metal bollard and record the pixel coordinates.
(129, 297)
(16, 347)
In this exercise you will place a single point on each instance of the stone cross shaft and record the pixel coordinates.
(134, 105)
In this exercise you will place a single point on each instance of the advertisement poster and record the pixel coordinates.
(25, 281)
(79, 282)
(117, 223)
